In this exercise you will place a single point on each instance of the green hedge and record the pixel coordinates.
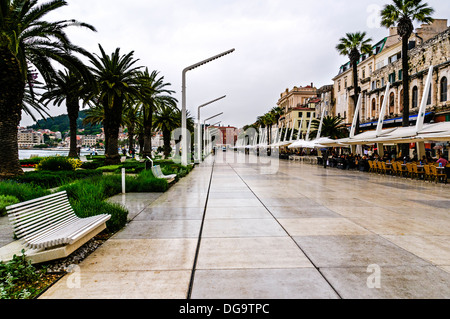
(6, 200)
(50, 179)
(31, 161)
(23, 192)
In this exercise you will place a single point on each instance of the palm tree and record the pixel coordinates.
(67, 87)
(166, 120)
(26, 39)
(132, 119)
(95, 115)
(332, 127)
(403, 13)
(118, 83)
(353, 45)
(155, 96)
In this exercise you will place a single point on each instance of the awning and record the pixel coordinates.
(392, 121)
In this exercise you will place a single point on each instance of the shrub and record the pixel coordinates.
(22, 192)
(84, 208)
(88, 199)
(6, 200)
(49, 179)
(109, 168)
(146, 182)
(31, 161)
(16, 276)
(58, 163)
(91, 165)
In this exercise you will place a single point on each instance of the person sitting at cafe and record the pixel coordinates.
(442, 160)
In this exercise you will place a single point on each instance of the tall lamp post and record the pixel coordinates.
(199, 135)
(204, 126)
(185, 152)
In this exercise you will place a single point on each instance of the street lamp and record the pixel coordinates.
(184, 155)
(204, 126)
(199, 138)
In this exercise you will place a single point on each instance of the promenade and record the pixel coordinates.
(231, 230)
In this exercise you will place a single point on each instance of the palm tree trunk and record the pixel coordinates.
(141, 141)
(405, 74)
(356, 91)
(72, 110)
(113, 120)
(131, 135)
(166, 140)
(12, 89)
(148, 119)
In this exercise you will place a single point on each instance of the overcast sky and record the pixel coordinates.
(278, 44)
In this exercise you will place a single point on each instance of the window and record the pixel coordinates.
(392, 77)
(382, 82)
(400, 75)
(429, 97)
(364, 73)
(443, 88)
(391, 103)
(339, 85)
(374, 85)
(308, 114)
(414, 96)
(401, 100)
(374, 106)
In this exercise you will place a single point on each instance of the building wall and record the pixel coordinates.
(436, 52)
(296, 97)
(432, 47)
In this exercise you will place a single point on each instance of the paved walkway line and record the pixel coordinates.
(191, 281)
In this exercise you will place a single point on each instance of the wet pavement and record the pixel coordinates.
(237, 228)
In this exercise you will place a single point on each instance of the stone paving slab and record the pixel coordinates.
(142, 254)
(285, 283)
(250, 252)
(400, 282)
(354, 251)
(122, 285)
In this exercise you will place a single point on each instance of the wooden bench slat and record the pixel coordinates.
(57, 230)
(12, 208)
(50, 221)
(67, 234)
(51, 230)
(40, 215)
(27, 213)
(30, 227)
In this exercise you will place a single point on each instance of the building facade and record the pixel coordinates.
(28, 138)
(429, 45)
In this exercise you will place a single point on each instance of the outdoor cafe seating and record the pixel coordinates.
(413, 170)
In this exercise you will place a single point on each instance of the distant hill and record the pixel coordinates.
(60, 123)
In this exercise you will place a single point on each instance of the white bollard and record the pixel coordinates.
(123, 180)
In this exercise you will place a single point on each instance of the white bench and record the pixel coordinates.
(156, 170)
(49, 229)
